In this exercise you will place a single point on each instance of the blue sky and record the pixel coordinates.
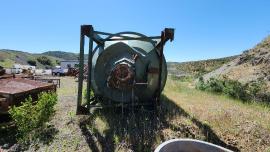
(203, 28)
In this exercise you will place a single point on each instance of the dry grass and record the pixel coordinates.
(246, 126)
(185, 113)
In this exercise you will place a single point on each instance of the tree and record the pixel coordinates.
(44, 60)
(32, 62)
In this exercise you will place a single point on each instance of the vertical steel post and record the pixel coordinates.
(160, 66)
(81, 66)
(91, 32)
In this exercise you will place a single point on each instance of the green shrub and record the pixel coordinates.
(186, 78)
(257, 91)
(32, 62)
(31, 117)
(214, 85)
(235, 90)
(263, 97)
(85, 94)
(254, 91)
(200, 84)
(44, 60)
(57, 62)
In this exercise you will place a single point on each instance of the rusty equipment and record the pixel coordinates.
(55, 81)
(2, 71)
(13, 91)
(124, 69)
(75, 72)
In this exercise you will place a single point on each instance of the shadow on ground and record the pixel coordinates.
(141, 130)
(8, 134)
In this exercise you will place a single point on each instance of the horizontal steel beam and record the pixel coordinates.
(132, 38)
(122, 37)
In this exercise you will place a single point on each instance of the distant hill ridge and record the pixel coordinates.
(62, 55)
(9, 57)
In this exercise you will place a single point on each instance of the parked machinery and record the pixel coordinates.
(126, 68)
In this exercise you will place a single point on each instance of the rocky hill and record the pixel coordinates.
(251, 65)
(197, 68)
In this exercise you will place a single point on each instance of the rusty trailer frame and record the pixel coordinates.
(13, 91)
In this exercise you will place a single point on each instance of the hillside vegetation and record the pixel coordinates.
(197, 68)
(62, 55)
(65, 55)
(252, 65)
(10, 57)
(44, 60)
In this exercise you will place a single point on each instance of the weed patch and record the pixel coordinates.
(253, 91)
(31, 117)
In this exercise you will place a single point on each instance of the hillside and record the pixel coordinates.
(62, 55)
(251, 65)
(196, 68)
(9, 57)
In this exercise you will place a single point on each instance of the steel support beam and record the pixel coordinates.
(166, 34)
(90, 51)
(84, 32)
(160, 69)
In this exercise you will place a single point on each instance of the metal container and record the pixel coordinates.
(122, 69)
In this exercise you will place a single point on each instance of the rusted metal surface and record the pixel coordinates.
(72, 72)
(121, 77)
(85, 72)
(13, 86)
(2, 71)
(6, 76)
(55, 81)
(24, 76)
(13, 91)
(153, 70)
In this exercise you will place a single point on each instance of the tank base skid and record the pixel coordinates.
(126, 106)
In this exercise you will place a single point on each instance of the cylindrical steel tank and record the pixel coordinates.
(123, 70)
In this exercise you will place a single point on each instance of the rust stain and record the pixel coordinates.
(13, 86)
